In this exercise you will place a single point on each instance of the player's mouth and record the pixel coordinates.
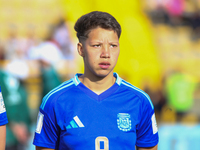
(104, 65)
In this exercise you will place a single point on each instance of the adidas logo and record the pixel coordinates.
(75, 123)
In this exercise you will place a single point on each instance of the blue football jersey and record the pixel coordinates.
(72, 117)
(3, 116)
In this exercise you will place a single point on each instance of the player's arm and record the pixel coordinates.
(148, 148)
(43, 148)
(2, 137)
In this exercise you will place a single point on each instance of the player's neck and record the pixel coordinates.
(96, 84)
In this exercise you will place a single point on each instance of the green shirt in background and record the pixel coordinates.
(180, 90)
(15, 98)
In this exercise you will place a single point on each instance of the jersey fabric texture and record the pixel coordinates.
(3, 116)
(72, 117)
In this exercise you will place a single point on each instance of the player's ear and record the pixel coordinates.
(80, 49)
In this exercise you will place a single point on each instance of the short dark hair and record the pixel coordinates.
(93, 20)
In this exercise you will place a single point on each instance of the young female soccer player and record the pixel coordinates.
(3, 122)
(97, 110)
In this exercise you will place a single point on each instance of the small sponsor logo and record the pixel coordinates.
(39, 123)
(123, 121)
(75, 123)
(154, 124)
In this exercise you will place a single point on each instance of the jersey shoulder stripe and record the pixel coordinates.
(118, 79)
(76, 80)
(139, 90)
(55, 90)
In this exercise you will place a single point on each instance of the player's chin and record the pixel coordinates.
(103, 73)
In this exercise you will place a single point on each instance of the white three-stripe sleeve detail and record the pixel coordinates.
(80, 124)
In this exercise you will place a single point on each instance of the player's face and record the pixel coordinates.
(100, 52)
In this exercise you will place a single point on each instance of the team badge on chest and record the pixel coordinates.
(123, 121)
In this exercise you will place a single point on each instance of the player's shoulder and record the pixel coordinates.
(51, 98)
(143, 96)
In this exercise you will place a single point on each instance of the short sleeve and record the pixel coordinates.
(3, 119)
(147, 131)
(47, 130)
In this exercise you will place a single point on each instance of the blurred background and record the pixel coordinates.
(160, 54)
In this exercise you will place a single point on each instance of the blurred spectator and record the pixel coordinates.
(12, 43)
(18, 68)
(2, 52)
(15, 96)
(180, 89)
(18, 47)
(29, 41)
(171, 12)
(62, 36)
(49, 76)
(47, 50)
(158, 100)
(195, 24)
(175, 9)
(48, 53)
(157, 12)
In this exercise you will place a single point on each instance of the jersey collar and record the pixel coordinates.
(77, 81)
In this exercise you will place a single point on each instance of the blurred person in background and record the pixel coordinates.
(49, 49)
(180, 89)
(12, 82)
(169, 12)
(12, 43)
(62, 36)
(155, 9)
(18, 47)
(2, 52)
(48, 54)
(49, 75)
(195, 24)
(175, 9)
(3, 122)
(158, 99)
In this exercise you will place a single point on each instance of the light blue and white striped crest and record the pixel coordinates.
(123, 121)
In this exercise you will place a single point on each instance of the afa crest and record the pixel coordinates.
(123, 121)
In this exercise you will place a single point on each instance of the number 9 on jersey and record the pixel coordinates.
(101, 143)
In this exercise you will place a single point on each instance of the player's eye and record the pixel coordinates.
(97, 45)
(113, 45)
